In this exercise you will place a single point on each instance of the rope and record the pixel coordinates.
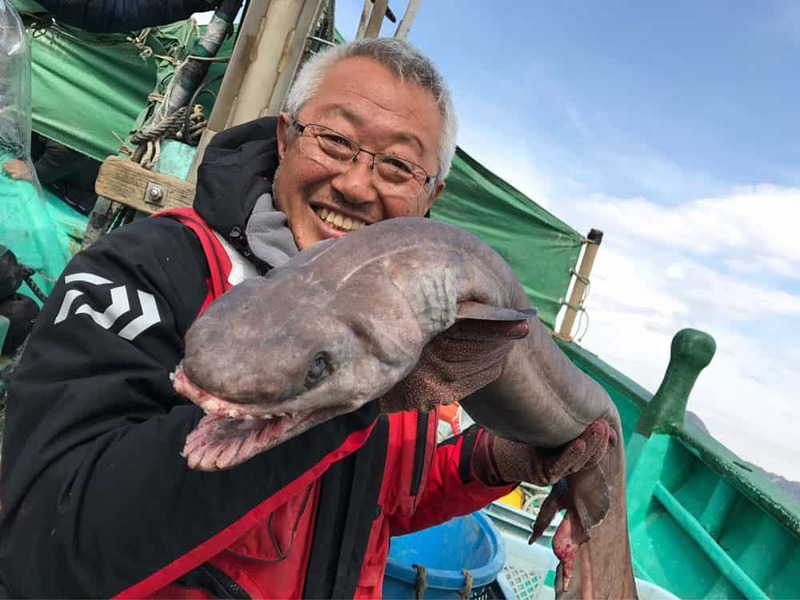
(149, 140)
(37, 291)
(140, 43)
(582, 278)
(466, 591)
(583, 315)
(151, 154)
(422, 581)
(166, 127)
(193, 126)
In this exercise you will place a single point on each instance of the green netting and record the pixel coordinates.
(85, 87)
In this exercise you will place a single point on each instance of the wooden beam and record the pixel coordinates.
(129, 183)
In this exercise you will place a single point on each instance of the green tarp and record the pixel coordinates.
(86, 87)
(540, 249)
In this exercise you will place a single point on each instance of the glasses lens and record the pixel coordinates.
(325, 146)
(399, 176)
(393, 175)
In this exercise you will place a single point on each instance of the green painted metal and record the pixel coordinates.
(710, 547)
(703, 523)
(691, 352)
(696, 533)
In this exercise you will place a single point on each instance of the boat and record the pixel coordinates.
(703, 522)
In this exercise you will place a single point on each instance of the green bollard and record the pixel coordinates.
(691, 352)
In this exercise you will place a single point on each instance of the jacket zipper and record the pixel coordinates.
(419, 451)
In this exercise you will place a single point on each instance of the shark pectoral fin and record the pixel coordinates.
(475, 320)
(487, 312)
(591, 496)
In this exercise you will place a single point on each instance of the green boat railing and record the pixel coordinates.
(703, 523)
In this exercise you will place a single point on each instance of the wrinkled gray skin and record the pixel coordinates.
(368, 303)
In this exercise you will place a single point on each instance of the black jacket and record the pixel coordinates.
(67, 172)
(108, 16)
(95, 495)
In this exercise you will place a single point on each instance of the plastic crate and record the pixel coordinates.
(528, 568)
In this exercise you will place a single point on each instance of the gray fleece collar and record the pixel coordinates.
(267, 233)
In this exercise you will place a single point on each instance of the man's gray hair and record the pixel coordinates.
(402, 59)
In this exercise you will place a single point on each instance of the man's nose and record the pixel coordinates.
(357, 181)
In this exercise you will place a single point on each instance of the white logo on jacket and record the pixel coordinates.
(76, 303)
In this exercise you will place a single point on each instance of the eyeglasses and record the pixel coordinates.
(395, 176)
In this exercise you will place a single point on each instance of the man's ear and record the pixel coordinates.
(284, 122)
(438, 188)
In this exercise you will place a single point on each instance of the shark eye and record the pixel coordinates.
(317, 370)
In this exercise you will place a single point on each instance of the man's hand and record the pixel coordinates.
(456, 363)
(17, 169)
(514, 461)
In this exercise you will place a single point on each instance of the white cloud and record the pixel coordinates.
(715, 264)
(718, 264)
(758, 223)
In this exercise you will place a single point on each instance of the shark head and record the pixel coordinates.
(271, 358)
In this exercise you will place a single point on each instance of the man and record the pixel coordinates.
(69, 174)
(97, 500)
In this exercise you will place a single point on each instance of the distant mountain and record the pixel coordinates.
(694, 419)
(792, 487)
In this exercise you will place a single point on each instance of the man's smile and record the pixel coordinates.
(338, 220)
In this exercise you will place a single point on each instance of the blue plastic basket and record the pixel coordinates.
(470, 542)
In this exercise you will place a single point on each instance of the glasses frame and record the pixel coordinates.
(301, 127)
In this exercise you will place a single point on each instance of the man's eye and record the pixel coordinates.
(335, 146)
(334, 140)
(397, 165)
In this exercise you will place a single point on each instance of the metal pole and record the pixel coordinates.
(408, 18)
(580, 284)
(376, 18)
(362, 22)
(272, 42)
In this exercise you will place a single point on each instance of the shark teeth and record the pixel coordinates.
(340, 221)
(223, 408)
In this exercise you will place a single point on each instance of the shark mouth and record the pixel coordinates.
(230, 433)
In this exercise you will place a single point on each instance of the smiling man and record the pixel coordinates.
(362, 147)
(97, 500)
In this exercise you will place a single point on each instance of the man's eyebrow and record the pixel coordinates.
(357, 120)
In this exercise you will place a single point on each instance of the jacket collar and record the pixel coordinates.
(238, 167)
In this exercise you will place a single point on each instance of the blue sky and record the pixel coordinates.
(699, 87)
(674, 128)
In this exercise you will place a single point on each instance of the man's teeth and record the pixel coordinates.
(340, 221)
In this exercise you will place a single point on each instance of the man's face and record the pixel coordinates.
(362, 100)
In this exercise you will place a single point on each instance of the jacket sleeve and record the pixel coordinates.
(109, 16)
(451, 488)
(96, 499)
(56, 162)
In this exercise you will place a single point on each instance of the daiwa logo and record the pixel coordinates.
(75, 303)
